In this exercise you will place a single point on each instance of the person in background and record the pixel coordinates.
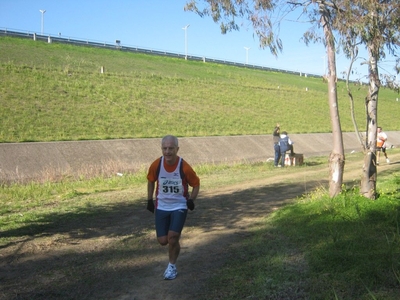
(381, 145)
(285, 144)
(276, 137)
(173, 176)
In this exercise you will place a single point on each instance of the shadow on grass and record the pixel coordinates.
(314, 163)
(106, 253)
(90, 221)
(66, 270)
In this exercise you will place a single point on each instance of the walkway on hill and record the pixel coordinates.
(22, 161)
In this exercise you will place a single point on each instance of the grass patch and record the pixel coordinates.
(55, 92)
(320, 248)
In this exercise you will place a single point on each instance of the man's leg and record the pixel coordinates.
(283, 154)
(174, 247)
(177, 221)
(277, 154)
(279, 157)
(378, 154)
(384, 153)
(162, 220)
(172, 239)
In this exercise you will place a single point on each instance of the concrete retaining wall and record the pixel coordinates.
(23, 161)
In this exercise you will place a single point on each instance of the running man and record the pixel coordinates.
(173, 176)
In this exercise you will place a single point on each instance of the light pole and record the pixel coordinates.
(247, 55)
(185, 28)
(42, 11)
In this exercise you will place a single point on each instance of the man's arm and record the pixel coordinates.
(195, 192)
(150, 189)
(193, 196)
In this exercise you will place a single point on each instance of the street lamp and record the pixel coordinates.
(42, 11)
(185, 28)
(247, 54)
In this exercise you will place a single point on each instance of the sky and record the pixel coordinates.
(158, 25)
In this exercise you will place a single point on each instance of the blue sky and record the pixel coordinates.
(158, 25)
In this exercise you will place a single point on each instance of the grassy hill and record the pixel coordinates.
(53, 92)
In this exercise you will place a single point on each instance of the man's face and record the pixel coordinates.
(169, 151)
(379, 130)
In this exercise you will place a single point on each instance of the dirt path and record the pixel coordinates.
(80, 261)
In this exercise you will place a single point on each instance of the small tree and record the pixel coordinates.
(337, 157)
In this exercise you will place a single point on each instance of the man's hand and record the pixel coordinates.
(190, 204)
(150, 205)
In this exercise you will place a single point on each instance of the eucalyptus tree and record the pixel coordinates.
(375, 25)
(265, 16)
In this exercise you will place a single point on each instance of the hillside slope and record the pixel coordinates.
(54, 92)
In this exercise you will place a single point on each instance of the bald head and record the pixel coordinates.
(170, 138)
(169, 148)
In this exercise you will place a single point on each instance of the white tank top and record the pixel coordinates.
(170, 189)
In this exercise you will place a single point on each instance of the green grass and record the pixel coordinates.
(24, 206)
(54, 92)
(320, 248)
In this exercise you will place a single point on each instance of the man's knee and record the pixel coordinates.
(173, 237)
(163, 240)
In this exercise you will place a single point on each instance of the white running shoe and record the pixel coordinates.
(387, 160)
(170, 273)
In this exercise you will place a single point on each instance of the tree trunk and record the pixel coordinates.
(336, 158)
(369, 174)
(353, 56)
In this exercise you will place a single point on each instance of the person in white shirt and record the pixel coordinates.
(381, 145)
(169, 178)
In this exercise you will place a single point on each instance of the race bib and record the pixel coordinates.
(171, 186)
